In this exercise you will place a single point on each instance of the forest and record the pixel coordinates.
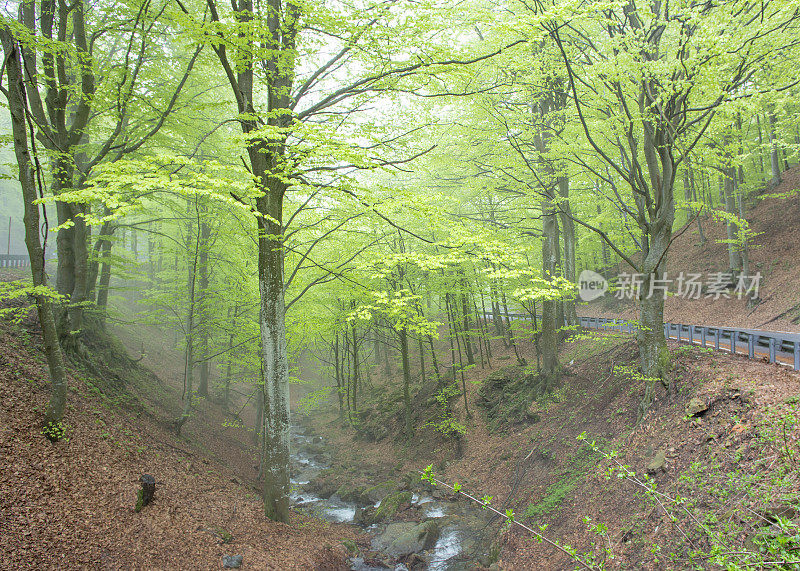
(384, 261)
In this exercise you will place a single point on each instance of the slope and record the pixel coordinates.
(775, 249)
(70, 504)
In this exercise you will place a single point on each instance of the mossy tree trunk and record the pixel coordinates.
(16, 96)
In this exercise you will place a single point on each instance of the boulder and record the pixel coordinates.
(696, 407)
(379, 492)
(232, 561)
(390, 505)
(349, 492)
(324, 485)
(392, 531)
(419, 538)
(657, 462)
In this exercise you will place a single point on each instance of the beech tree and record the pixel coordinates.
(84, 97)
(646, 81)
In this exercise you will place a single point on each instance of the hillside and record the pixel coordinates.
(775, 249)
(735, 461)
(71, 504)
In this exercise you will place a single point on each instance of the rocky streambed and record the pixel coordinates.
(412, 526)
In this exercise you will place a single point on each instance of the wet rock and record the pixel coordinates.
(392, 531)
(404, 538)
(324, 485)
(350, 545)
(349, 492)
(657, 463)
(390, 505)
(359, 518)
(379, 492)
(696, 407)
(232, 561)
(415, 562)
(420, 538)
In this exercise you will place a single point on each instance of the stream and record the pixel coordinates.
(461, 537)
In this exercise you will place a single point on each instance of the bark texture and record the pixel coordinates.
(16, 96)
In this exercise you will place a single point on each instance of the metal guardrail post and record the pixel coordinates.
(797, 355)
(733, 342)
(679, 327)
(771, 349)
(703, 336)
(751, 345)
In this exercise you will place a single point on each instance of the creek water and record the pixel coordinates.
(461, 530)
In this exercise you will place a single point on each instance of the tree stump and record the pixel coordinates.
(146, 493)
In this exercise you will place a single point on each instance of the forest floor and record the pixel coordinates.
(70, 504)
(774, 252)
(735, 461)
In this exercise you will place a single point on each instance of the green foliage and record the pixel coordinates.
(510, 519)
(577, 467)
(55, 431)
(15, 295)
(139, 501)
(313, 400)
(707, 489)
(447, 423)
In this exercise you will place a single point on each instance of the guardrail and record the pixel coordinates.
(781, 347)
(14, 261)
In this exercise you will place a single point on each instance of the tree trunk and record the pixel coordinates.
(275, 438)
(339, 388)
(731, 228)
(354, 382)
(226, 398)
(17, 105)
(690, 181)
(105, 278)
(205, 234)
(773, 154)
(189, 357)
(653, 353)
(548, 340)
(568, 233)
(465, 311)
(604, 250)
(409, 427)
(94, 265)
